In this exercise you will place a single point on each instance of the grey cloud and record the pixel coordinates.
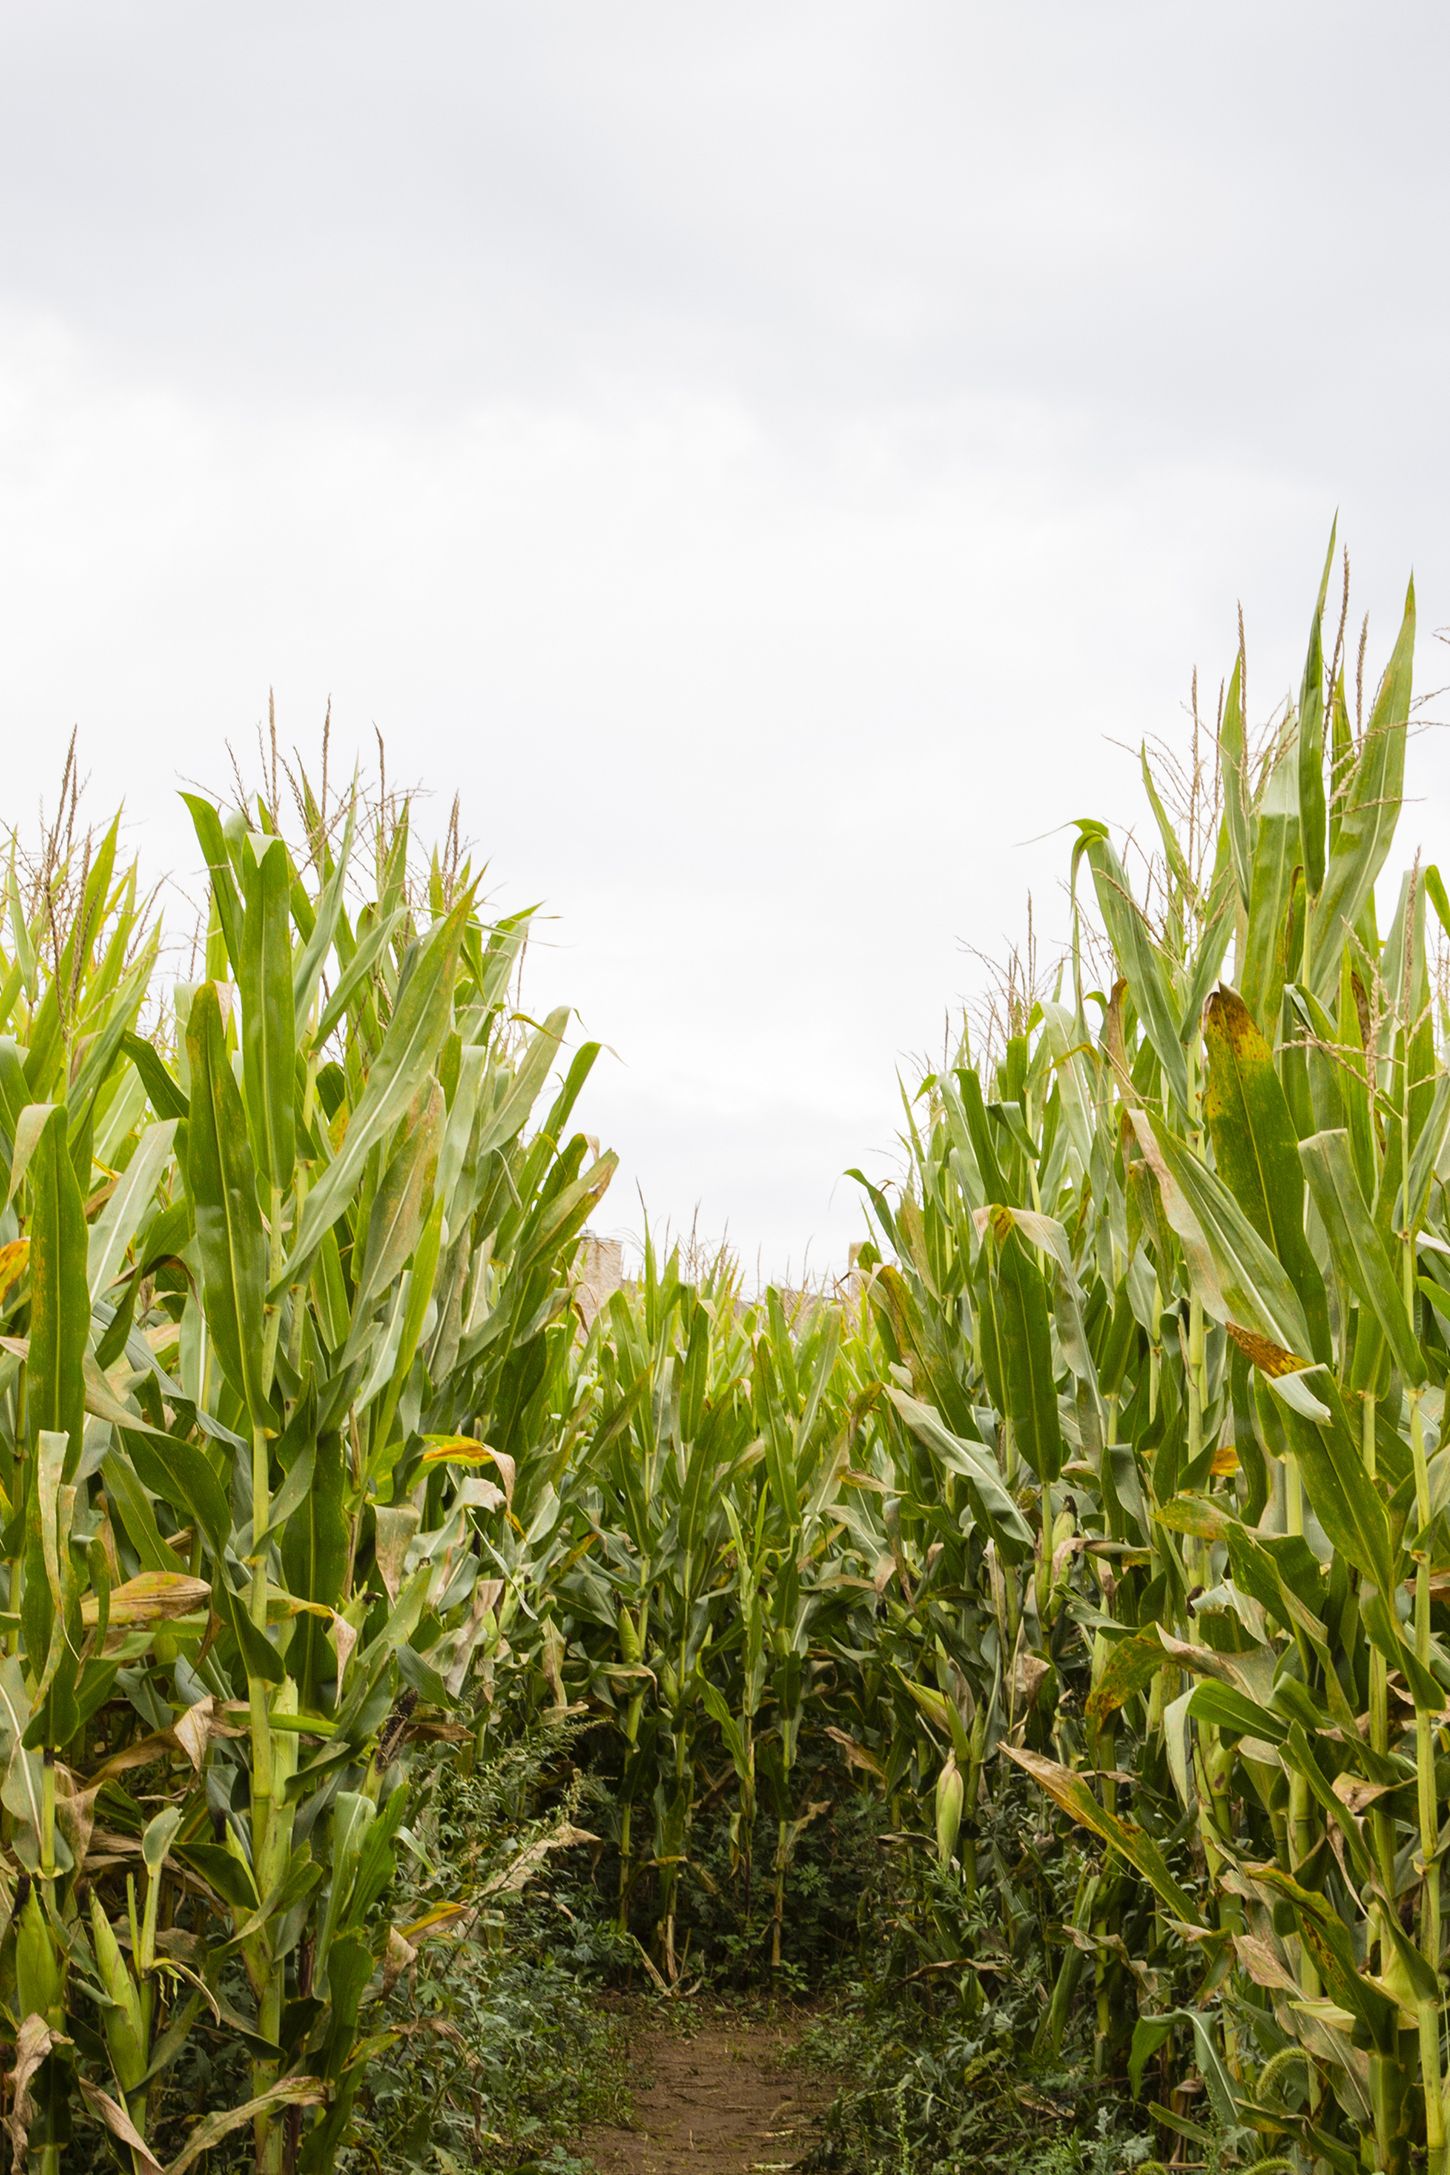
(1157, 223)
(760, 454)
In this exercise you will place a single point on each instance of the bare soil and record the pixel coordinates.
(720, 2099)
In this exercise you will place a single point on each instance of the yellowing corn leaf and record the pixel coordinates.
(152, 1597)
(466, 1450)
(13, 1257)
(438, 1920)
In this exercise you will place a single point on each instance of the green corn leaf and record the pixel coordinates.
(1149, 2034)
(20, 929)
(1428, 1151)
(223, 1184)
(1299, 1753)
(225, 898)
(990, 1176)
(260, 1658)
(269, 1041)
(1139, 958)
(314, 1544)
(1017, 1344)
(60, 1310)
(167, 1098)
(1331, 1944)
(355, 975)
(1234, 1273)
(1369, 812)
(1255, 1149)
(1235, 782)
(325, 923)
(975, 1465)
(1265, 962)
(1071, 1792)
(1207, 962)
(50, 1616)
(1345, 1500)
(504, 1123)
(1132, 1664)
(115, 1227)
(103, 1049)
(1311, 739)
(409, 1052)
(178, 1473)
(1222, 1706)
(1282, 1574)
(132, 1507)
(1360, 1253)
(401, 1201)
(1173, 853)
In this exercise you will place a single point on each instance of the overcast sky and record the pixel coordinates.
(763, 455)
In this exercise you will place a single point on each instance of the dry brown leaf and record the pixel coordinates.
(116, 2119)
(33, 2042)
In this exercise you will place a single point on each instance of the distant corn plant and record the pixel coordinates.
(701, 1564)
(283, 1276)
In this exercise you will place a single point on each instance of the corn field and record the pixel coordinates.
(1114, 1469)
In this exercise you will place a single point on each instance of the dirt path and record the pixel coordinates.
(719, 2099)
